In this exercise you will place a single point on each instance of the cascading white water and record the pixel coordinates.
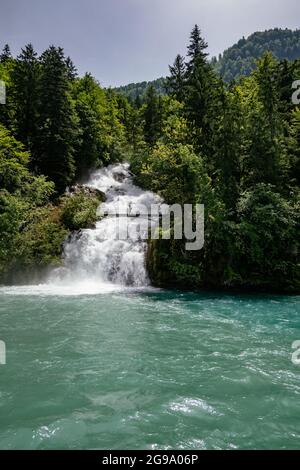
(97, 256)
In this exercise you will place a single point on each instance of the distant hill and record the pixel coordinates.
(133, 90)
(240, 59)
(237, 60)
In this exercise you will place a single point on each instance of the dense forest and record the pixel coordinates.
(137, 91)
(239, 60)
(233, 148)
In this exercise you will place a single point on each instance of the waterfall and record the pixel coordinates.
(96, 257)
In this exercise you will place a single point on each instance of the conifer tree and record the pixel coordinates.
(229, 149)
(6, 54)
(176, 80)
(72, 71)
(202, 96)
(265, 132)
(25, 88)
(196, 49)
(58, 124)
(294, 148)
(152, 116)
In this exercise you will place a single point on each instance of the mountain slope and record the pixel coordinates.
(134, 90)
(237, 60)
(241, 57)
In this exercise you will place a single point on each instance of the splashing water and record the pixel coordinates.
(94, 257)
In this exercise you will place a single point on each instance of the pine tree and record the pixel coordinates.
(285, 77)
(229, 148)
(152, 116)
(6, 54)
(196, 49)
(72, 71)
(264, 126)
(58, 125)
(137, 101)
(177, 79)
(294, 148)
(202, 96)
(25, 78)
(266, 78)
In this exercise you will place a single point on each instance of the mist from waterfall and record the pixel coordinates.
(96, 258)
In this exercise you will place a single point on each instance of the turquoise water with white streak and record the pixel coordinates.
(148, 370)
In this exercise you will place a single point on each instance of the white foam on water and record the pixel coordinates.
(95, 260)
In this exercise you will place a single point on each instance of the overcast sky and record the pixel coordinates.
(123, 41)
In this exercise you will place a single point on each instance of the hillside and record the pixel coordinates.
(237, 60)
(241, 57)
(134, 90)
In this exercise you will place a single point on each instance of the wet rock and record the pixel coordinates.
(119, 176)
(87, 191)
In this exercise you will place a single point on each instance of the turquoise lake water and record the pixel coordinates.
(148, 370)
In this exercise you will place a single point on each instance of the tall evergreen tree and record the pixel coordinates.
(196, 49)
(294, 148)
(203, 92)
(58, 125)
(72, 71)
(265, 132)
(6, 54)
(285, 77)
(152, 116)
(177, 78)
(25, 84)
(229, 148)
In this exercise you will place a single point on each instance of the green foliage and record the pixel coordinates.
(138, 90)
(268, 237)
(11, 216)
(79, 211)
(32, 230)
(6, 110)
(14, 174)
(294, 148)
(112, 130)
(237, 61)
(39, 244)
(58, 124)
(152, 115)
(241, 58)
(25, 82)
(6, 54)
(175, 172)
(177, 80)
(234, 148)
